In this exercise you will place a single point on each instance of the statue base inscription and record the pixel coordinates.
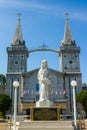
(45, 114)
(44, 103)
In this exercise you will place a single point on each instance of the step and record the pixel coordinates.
(63, 128)
(45, 125)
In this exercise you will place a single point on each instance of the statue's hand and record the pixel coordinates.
(46, 81)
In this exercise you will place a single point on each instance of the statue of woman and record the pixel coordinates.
(44, 81)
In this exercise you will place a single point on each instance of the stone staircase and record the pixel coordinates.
(45, 125)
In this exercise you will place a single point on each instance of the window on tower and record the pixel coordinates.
(65, 68)
(21, 56)
(64, 55)
(21, 68)
(76, 68)
(16, 62)
(10, 68)
(10, 56)
(70, 61)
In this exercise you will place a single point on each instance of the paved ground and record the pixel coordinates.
(4, 126)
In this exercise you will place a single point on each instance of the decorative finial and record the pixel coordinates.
(66, 14)
(19, 15)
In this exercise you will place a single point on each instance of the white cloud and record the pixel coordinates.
(8, 3)
(57, 10)
(20, 4)
(81, 16)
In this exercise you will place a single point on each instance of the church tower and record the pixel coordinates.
(70, 63)
(17, 52)
(69, 52)
(17, 61)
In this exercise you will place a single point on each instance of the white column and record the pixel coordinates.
(74, 105)
(74, 84)
(21, 94)
(15, 107)
(15, 84)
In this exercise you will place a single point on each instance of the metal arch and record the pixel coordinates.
(43, 49)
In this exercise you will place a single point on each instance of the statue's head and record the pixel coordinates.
(44, 64)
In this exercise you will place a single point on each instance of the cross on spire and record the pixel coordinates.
(66, 15)
(19, 15)
(67, 32)
(18, 38)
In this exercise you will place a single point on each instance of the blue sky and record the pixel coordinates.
(43, 21)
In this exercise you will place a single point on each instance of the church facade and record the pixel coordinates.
(28, 91)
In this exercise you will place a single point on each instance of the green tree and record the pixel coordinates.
(2, 79)
(82, 99)
(5, 103)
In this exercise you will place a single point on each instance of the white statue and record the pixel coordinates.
(44, 81)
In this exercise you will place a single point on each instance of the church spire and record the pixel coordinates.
(18, 37)
(67, 40)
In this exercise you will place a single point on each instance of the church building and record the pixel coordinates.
(28, 90)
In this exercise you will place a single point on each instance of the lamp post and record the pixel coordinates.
(15, 84)
(74, 84)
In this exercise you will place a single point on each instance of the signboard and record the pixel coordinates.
(45, 114)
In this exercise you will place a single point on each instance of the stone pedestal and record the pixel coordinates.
(45, 113)
(44, 103)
